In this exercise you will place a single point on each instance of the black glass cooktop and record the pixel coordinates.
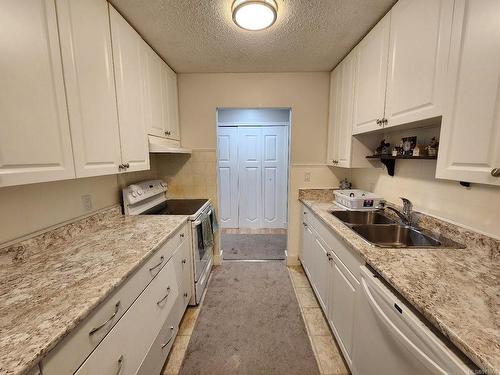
(177, 207)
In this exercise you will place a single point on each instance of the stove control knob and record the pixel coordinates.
(139, 192)
(134, 194)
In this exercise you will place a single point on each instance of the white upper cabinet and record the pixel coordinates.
(371, 74)
(418, 59)
(344, 150)
(163, 112)
(90, 87)
(344, 133)
(130, 74)
(155, 92)
(35, 142)
(334, 116)
(172, 117)
(470, 130)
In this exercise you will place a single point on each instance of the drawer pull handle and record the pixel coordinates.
(182, 235)
(158, 265)
(120, 364)
(164, 298)
(184, 261)
(495, 172)
(117, 307)
(170, 339)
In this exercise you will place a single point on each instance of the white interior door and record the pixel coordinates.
(274, 176)
(227, 142)
(250, 176)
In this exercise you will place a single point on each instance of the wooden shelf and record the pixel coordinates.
(390, 161)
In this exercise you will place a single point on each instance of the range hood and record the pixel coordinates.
(159, 145)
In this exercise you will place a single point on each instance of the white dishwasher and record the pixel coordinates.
(391, 339)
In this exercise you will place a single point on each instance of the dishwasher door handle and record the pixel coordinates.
(397, 334)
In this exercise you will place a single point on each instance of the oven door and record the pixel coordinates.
(202, 254)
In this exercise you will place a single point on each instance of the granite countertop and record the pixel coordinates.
(457, 290)
(50, 283)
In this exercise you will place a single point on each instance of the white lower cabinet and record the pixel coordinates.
(341, 304)
(133, 330)
(333, 270)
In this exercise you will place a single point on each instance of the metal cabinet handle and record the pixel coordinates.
(184, 261)
(157, 265)
(121, 166)
(495, 172)
(182, 235)
(117, 307)
(170, 339)
(384, 121)
(164, 298)
(120, 364)
(126, 165)
(329, 256)
(379, 122)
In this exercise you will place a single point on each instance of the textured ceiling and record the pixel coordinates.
(200, 36)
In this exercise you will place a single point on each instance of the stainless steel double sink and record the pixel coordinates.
(381, 231)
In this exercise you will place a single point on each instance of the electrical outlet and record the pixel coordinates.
(87, 202)
(307, 177)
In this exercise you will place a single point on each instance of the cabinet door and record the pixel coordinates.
(371, 74)
(344, 134)
(90, 85)
(35, 142)
(183, 266)
(155, 92)
(334, 116)
(172, 104)
(305, 255)
(129, 68)
(320, 278)
(418, 59)
(342, 303)
(470, 129)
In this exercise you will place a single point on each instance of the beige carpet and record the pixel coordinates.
(250, 324)
(253, 246)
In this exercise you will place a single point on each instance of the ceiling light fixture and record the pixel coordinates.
(254, 14)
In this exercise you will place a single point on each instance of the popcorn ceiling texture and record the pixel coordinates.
(200, 36)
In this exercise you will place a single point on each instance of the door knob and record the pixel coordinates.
(495, 172)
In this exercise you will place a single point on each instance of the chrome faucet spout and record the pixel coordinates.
(406, 214)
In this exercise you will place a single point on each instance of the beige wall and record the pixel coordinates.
(477, 207)
(307, 96)
(27, 209)
(305, 93)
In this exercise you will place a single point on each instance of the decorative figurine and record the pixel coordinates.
(416, 150)
(408, 145)
(433, 146)
(344, 184)
(383, 149)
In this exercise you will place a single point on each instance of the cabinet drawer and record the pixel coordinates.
(124, 348)
(158, 352)
(73, 350)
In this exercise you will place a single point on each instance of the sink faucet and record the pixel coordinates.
(405, 215)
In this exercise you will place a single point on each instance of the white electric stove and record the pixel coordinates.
(149, 198)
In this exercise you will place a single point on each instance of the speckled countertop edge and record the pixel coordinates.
(378, 259)
(22, 361)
